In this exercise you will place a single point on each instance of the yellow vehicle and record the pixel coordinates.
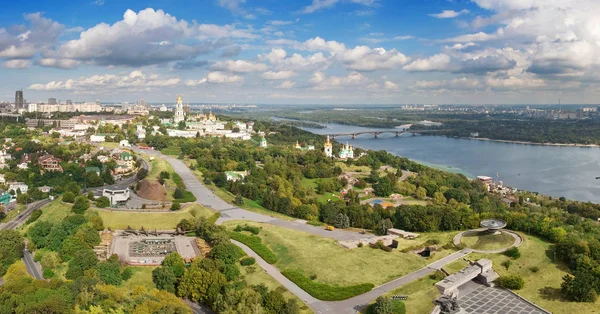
(329, 228)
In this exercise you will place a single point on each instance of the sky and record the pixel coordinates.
(302, 51)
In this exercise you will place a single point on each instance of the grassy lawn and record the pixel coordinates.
(332, 263)
(421, 294)
(142, 276)
(56, 211)
(255, 276)
(486, 241)
(353, 168)
(455, 266)
(171, 150)
(12, 214)
(543, 286)
(409, 200)
(152, 220)
(108, 145)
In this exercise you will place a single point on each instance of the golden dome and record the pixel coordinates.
(178, 97)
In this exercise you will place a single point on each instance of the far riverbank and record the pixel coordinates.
(531, 143)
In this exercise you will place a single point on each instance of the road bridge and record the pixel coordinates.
(376, 133)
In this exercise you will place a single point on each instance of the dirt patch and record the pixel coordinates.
(152, 191)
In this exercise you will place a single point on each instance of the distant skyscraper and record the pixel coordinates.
(142, 102)
(19, 100)
(98, 102)
(51, 101)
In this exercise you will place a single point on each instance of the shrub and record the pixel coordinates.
(510, 282)
(102, 202)
(254, 243)
(239, 200)
(437, 275)
(506, 264)
(360, 244)
(34, 216)
(513, 253)
(251, 229)
(534, 269)
(164, 175)
(247, 261)
(81, 204)
(326, 292)
(379, 245)
(313, 277)
(175, 206)
(127, 273)
(48, 273)
(315, 223)
(68, 197)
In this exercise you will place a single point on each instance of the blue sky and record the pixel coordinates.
(304, 51)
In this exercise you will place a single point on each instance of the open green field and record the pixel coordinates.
(409, 200)
(56, 211)
(142, 276)
(455, 266)
(171, 150)
(108, 145)
(353, 168)
(254, 275)
(151, 220)
(487, 241)
(333, 264)
(13, 213)
(421, 294)
(541, 287)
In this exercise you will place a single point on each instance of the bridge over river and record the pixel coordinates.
(379, 132)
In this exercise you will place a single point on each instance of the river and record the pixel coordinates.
(552, 170)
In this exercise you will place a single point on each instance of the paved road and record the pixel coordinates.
(207, 198)
(33, 268)
(22, 217)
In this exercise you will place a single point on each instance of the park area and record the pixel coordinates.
(485, 240)
(331, 264)
(151, 220)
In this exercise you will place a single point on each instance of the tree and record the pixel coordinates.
(438, 198)
(581, 287)
(178, 194)
(176, 263)
(200, 285)
(186, 225)
(227, 252)
(81, 204)
(142, 173)
(90, 195)
(239, 200)
(165, 175)
(71, 245)
(342, 221)
(421, 193)
(383, 305)
(73, 187)
(383, 187)
(510, 282)
(110, 272)
(164, 279)
(82, 260)
(11, 248)
(274, 302)
(175, 206)
(39, 232)
(383, 225)
(68, 197)
(102, 202)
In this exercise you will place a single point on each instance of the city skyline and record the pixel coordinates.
(305, 52)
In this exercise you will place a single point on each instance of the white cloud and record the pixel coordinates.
(223, 78)
(363, 58)
(279, 75)
(58, 63)
(280, 22)
(239, 66)
(212, 31)
(17, 64)
(390, 85)
(134, 79)
(286, 84)
(439, 62)
(317, 5)
(321, 82)
(448, 14)
(462, 83)
(280, 61)
(515, 83)
(318, 43)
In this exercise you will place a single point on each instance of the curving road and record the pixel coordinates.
(207, 198)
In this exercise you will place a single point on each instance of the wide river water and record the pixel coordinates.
(552, 170)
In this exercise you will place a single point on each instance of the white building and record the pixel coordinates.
(263, 142)
(97, 138)
(2, 180)
(116, 196)
(163, 108)
(4, 156)
(33, 107)
(124, 143)
(347, 152)
(328, 148)
(179, 114)
(23, 166)
(14, 186)
(140, 132)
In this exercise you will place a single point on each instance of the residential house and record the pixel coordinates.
(45, 189)
(23, 166)
(2, 180)
(97, 138)
(235, 175)
(103, 159)
(14, 186)
(4, 156)
(124, 143)
(25, 158)
(50, 163)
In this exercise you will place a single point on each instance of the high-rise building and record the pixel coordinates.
(19, 100)
(51, 101)
(142, 102)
